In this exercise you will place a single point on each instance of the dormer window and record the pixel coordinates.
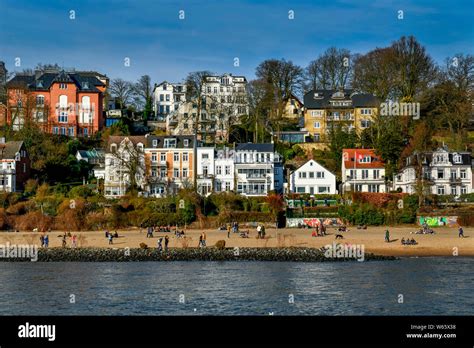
(186, 142)
(170, 143)
(457, 158)
(365, 159)
(63, 86)
(155, 143)
(113, 148)
(86, 85)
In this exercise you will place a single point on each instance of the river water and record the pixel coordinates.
(424, 286)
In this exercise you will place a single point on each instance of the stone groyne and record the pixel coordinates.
(190, 254)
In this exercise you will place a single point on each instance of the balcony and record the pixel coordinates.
(455, 180)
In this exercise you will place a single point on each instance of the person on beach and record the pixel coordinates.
(160, 245)
(461, 232)
(74, 241)
(46, 241)
(228, 230)
(263, 231)
(317, 230)
(111, 239)
(64, 243)
(200, 241)
(42, 240)
(106, 234)
(387, 236)
(259, 231)
(204, 237)
(167, 240)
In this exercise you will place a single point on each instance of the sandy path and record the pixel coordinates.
(444, 243)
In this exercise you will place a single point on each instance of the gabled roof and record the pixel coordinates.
(99, 154)
(348, 157)
(160, 141)
(267, 147)
(427, 157)
(62, 77)
(324, 96)
(84, 81)
(9, 149)
(117, 139)
(316, 162)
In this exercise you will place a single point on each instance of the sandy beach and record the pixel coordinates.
(445, 241)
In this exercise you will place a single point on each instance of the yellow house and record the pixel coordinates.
(327, 108)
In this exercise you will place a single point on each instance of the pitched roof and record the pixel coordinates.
(312, 161)
(320, 98)
(91, 153)
(267, 147)
(9, 149)
(117, 139)
(160, 141)
(348, 156)
(84, 81)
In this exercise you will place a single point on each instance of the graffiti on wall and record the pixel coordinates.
(313, 222)
(434, 221)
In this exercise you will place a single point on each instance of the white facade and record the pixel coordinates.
(167, 97)
(255, 168)
(225, 99)
(224, 170)
(117, 166)
(442, 173)
(205, 170)
(312, 178)
(8, 175)
(362, 171)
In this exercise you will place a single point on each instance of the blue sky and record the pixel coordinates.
(214, 32)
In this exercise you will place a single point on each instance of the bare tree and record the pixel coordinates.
(279, 79)
(331, 70)
(131, 164)
(460, 70)
(122, 90)
(415, 68)
(142, 91)
(375, 73)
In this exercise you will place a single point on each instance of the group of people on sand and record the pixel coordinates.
(319, 231)
(261, 231)
(110, 236)
(160, 243)
(409, 241)
(44, 239)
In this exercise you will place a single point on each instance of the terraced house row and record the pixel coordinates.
(161, 165)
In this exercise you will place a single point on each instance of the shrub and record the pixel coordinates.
(33, 220)
(220, 244)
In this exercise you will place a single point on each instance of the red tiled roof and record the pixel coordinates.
(348, 156)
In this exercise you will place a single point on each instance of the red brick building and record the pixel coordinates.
(66, 103)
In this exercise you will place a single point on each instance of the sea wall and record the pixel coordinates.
(312, 222)
(188, 254)
(434, 221)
